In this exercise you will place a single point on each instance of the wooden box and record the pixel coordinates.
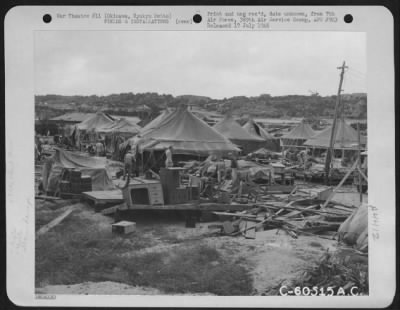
(278, 168)
(178, 195)
(123, 227)
(65, 186)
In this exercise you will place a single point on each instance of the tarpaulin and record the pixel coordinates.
(95, 167)
(354, 231)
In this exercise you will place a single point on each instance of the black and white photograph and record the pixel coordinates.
(201, 163)
(200, 156)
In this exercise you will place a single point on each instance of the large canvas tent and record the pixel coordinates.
(95, 167)
(155, 122)
(298, 135)
(255, 129)
(96, 122)
(117, 133)
(231, 130)
(89, 129)
(187, 134)
(345, 138)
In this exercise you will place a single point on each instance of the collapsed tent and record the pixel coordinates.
(264, 153)
(345, 137)
(121, 126)
(95, 167)
(255, 129)
(354, 231)
(298, 135)
(230, 129)
(187, 134)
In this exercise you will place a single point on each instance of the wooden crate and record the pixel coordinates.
(123, 227)
(178, 195)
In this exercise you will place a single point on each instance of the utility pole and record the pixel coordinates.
(329, 151)
(359, 163)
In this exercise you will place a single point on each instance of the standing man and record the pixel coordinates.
(303, 156)
(128, 163)
(234, 167)
(168, 155)
(135, 166)
(220, 169)
(99, 148)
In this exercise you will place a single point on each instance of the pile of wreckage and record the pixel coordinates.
(295, 214)
(299, 213)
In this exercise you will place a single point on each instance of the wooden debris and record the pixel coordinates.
(48, 198)
(235, 214)
(113, 209)
(55, 222)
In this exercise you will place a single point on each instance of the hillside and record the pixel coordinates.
(313, 106)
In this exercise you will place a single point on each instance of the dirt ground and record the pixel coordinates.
(270, 259)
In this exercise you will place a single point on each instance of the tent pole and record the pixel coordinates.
(329, 151)
(359, 162)
(142, 164)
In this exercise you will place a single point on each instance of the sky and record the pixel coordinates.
(216, 64)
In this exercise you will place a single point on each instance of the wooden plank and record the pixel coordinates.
(55, 222)
(195, 206)
(362, 174)
(309, 210)
(260, 223)
(104, 195)
(295, 213)
(235, 214)
(114, 209)
(340, 184)
(250, 233)
(339, 207)
(50, 198)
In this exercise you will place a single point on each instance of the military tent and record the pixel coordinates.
(255, 129)
(116, 133)
(95, 167)
(121, 126)
(89, 129)
(298, 135)
(187, 134)
(345, 137)
(155, 122)
(96, 122)
(231, 130)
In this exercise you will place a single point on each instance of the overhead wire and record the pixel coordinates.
(358, 71)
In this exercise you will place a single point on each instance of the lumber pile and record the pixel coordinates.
(291, 216)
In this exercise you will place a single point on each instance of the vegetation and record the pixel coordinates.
(78, 250)
(263, 105)
(335, 271)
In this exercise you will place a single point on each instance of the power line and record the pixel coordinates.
(355, 71)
